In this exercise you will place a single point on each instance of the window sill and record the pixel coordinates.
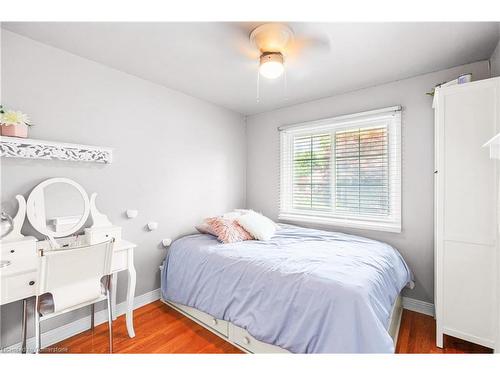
(346, 223)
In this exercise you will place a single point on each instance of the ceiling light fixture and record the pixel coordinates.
(271, 64)
(271, 39)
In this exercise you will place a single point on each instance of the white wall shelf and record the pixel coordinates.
(28, 148)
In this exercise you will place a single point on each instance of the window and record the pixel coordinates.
(344, 171)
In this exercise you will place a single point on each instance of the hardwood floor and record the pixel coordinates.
(418, 335)
(160, 329)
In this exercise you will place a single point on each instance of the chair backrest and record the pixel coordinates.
(73, 276)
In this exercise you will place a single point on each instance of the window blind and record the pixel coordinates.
(311, 172)
(343, 171)
(362, 171)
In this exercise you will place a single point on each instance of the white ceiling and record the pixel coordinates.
(215, 61)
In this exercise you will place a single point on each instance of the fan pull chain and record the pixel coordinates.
(258, 86)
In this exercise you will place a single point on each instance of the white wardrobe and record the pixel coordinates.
(466, 210)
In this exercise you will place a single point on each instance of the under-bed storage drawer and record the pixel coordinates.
(218, 325)
(244, 339)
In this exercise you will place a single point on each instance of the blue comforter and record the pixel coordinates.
(305, 290)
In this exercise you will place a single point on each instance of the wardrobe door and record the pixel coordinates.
(467, 211)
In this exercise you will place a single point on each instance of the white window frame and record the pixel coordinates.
(392, 223)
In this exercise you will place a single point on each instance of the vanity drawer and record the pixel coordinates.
(218, 325)
(242, 338)
(97, 235)
(14, 251)
(17, 287)
(119, 260)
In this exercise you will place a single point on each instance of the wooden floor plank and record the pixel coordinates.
(161, 329)
(418, 335)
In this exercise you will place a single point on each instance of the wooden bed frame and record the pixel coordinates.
(242, 339)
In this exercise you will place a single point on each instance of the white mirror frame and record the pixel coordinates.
(33, 211)
(17, 221)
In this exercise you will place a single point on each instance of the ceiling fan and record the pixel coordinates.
(277, 42)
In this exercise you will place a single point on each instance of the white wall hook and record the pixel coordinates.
(132, 213)
(166, 242)
(152, 225)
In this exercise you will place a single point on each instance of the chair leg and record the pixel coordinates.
(38, 333)
(24, 326)
(110, 321)
(92, 317)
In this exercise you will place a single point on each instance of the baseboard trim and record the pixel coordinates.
(66, 331)
(418, 306)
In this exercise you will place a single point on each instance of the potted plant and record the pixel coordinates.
(14, 123)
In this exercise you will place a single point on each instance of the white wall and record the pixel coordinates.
(176, 158)
(416, 240)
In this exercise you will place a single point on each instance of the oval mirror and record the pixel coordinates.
(58, 207)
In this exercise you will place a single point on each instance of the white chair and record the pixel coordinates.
(73, 278)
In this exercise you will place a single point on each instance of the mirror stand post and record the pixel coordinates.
(17, 222)
(53, 243)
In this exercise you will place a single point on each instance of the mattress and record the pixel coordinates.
(305, 290)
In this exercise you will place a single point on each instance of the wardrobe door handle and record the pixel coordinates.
(32, 282)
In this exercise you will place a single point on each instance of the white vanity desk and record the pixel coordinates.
(18, 279)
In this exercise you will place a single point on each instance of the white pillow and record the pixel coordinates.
(232, 215)
(259, 226)
(243, 211)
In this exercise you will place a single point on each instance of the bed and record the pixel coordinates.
(303, 291)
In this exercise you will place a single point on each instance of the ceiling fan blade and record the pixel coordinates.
(307, 46)
(239, 39)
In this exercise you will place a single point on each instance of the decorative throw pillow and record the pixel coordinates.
(205, 228)
(259, 226)
(228, 230)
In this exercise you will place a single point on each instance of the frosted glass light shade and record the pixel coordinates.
(271, 65)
